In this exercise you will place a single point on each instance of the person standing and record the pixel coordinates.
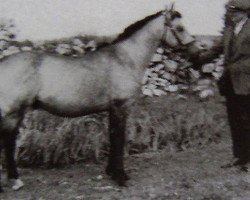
(235, 82)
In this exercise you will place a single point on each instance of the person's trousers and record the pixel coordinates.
(238, 110)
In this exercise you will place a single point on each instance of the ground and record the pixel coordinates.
(191, 174)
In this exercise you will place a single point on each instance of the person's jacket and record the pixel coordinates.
(237, 58)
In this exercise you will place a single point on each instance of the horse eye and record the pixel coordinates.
(166, 23)
(180, 29)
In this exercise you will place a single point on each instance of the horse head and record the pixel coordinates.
(176, 35)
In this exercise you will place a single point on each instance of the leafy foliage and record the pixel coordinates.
(153, 125)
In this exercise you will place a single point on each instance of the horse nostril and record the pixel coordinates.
(180, 29)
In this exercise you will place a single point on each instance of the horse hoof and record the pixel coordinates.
(17, 184)
(122, 183)
(118, 175)
(120, 179)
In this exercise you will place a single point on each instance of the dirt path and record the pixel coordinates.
(192, 174)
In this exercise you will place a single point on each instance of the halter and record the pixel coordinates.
(173, 31)
(180, 42)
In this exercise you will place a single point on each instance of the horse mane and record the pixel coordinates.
(130, 30)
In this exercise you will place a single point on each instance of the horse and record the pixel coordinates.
(108, 79)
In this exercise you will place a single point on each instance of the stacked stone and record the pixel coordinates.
(74, 47)
(7, 34)
(166, 73)
(170, 72)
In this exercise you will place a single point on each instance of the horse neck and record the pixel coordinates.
(142, 44)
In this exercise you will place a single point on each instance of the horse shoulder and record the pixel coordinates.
(18, 81)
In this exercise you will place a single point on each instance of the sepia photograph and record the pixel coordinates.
(124, 100)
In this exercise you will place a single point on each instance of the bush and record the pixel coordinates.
(153, 124)
(49, 140)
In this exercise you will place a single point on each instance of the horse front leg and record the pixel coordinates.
(117, 127)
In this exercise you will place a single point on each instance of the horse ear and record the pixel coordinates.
(172, 6)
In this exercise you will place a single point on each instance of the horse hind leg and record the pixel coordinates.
(9, 130)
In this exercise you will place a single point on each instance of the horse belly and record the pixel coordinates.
(71, 90)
